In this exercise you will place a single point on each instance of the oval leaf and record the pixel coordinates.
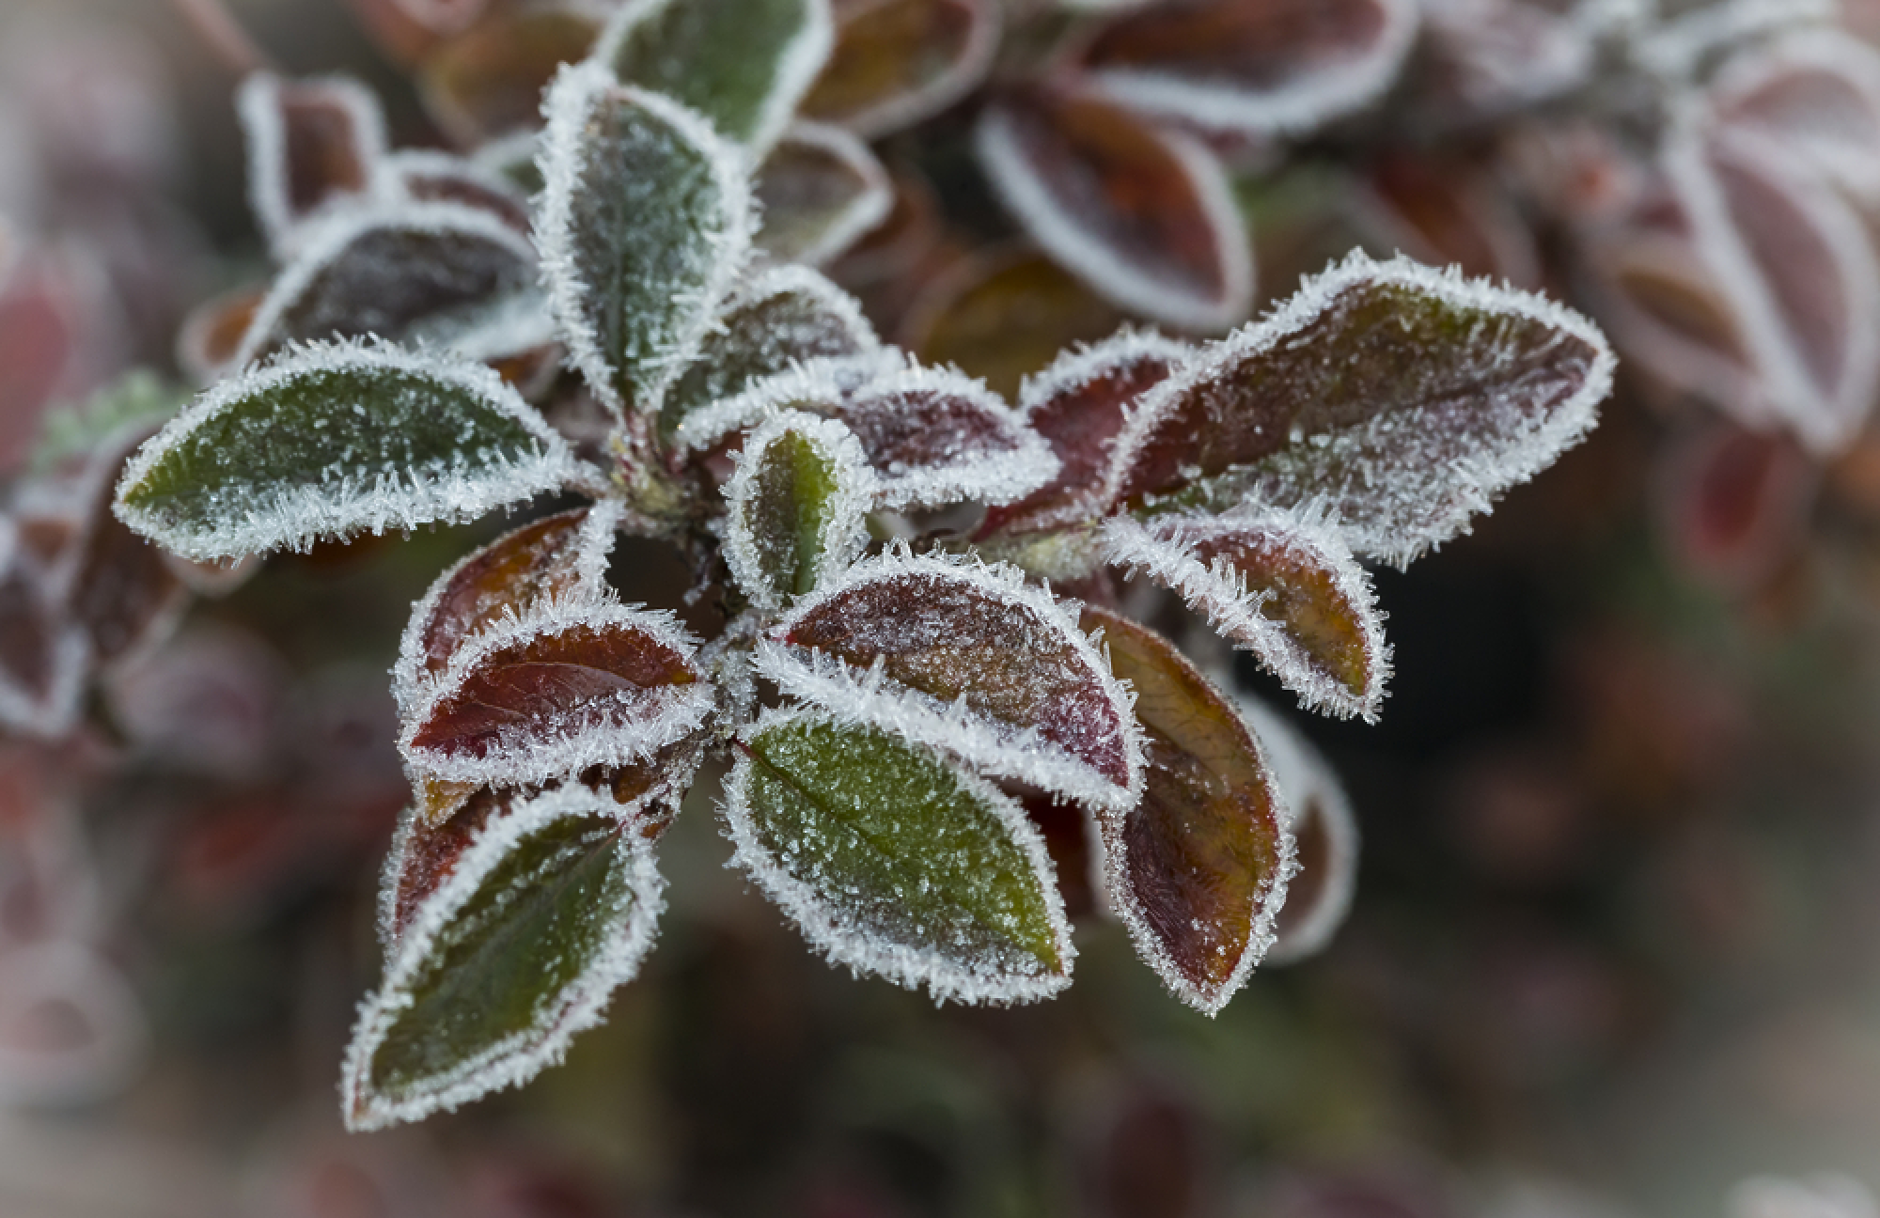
(819, 191)
(1197, 869)
(548, 911)
(1144, 215)
(1817, 92)
(743, 64)
(553, 692)
(968, 659)
(645, 222)
(896, 863)
(899, 61)
(798, 508)
(311, 143)
(334, 440)
(488, 81)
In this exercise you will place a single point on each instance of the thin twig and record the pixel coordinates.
(224, 36)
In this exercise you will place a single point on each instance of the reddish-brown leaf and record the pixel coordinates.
(897, 61)
(1734, 504)
(488, 81)
(212, 333)
(1447, 212)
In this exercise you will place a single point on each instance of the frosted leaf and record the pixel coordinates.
(310, 143)
(1254, 66)
(967, 659)
(43, 660)
(1449, 212)
(820, 190)
(560, 558)
(743, 64)
(1817, 92)
(1144, 215)
(1325, 836)
(1489, 57)
(487, 83)
(425, 175)
(1078, 404)
(1798, 268)
(330, 441)
(556, 690)
(406, 272)
(1196, 869)
(781, 317)
(797, 508)
(550, 909)
(1281, 587)
(897, 62)
(1392, 400)
(894, 862)
(211, 335)
(1676, 49)
(122, 593)
(644, 225)
(1733, 505)
(933, 435)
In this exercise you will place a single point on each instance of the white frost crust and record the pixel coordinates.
(258, 106)
(520, 1057)
(594, 545)
(295, 517)
(825, 382)
(798, 62)
(1076, 367)
(1477, 481)
(1824, 418)
(1296, 108)
(868, 697)
(864, 212)
(960, 78)
(1839, 156)
(795, 279)
(325, 241)
(1306, 781)
(1676, 49)
(824, 925)
(1219, 592)
(1127, 284)
(661, 716)
(570, 99)
(844, 533)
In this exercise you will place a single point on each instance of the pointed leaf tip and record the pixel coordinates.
(799, 501)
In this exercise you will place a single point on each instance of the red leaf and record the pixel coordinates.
(897, 61)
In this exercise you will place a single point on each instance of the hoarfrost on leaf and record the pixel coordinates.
(547, 912)
(1817, 92)
(820, 190)
(333, 440)
(898, 61)
(798, 508)
(311, 144)
(895, 862)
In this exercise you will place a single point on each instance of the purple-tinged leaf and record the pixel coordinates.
(122, 593)
(797, 508)
(820, 190)
(1798, 268)
(1488, 57)
(1733, 505)
(1144, 215)
(898, 61)
(548, 911)
(554, 692)
(42, 660)
(1817, 93)
(894, 861)
(1325, 838)
(488, 81)
(425, 175)
(311, 144)
(1391, 400)
(1276, 585)
(644, 226)
(1449, 212)
(1259, 66)
(1196, 868)
(1676, 49)
(967, 659)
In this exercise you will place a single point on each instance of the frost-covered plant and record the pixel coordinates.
(896, 682)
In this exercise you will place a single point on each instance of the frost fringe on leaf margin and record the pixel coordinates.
(844, 533)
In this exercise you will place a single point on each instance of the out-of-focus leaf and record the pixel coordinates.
(211, 336)
(898, 61)
(1733, 504)
(330, 441)
(124, 595)
(488, 81)
(743, 64)
(1197, 868)
(967, 659)
(556, 691)
(548, 911)
(408, 273)
(425, 175)
(1395, 400)
(1816, 92)
(895, 862)
(310, 143)
(560, 558)
(1078, 404)
(798, 508)
(1260, 66)
(1487, 57)
(42, 660)
(1278, 586)
(1005, 316)
(820, 190)
(644, 226)
(1448, 212)
(406, 29)
(781, 317)
(1142, 214)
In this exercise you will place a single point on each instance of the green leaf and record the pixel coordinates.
(334, 440)
(540, 919)
(799, 502)
(895, 862)
(645, 222)
(743, 64)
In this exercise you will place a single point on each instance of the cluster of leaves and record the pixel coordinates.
(898, 689)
